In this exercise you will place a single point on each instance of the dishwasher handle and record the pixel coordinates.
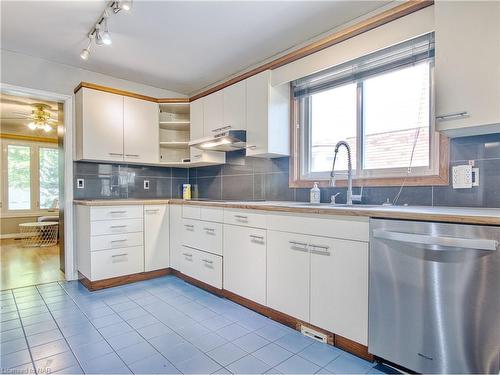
(424, 239)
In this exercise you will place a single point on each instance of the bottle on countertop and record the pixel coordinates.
(315, 197)
(186, 191)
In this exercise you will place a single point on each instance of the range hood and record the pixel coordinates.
(224, 139)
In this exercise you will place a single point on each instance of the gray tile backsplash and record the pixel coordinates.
(246, 178)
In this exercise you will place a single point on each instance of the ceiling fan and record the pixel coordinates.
(40, 118)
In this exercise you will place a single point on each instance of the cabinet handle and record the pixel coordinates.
(197, 156)
(325, 250)
(187, 255)
(218, 130)
(251, 147)
(300, 246)
(324, 247)
(153, 210)
(119, 255)
(117, 212)
(451, 116)
(115, 154)
(133, 155)
(118, 240)
(209, 229)
(118, 226)
(189, 225)
(241, 217)
(208, 261)
(255, 237)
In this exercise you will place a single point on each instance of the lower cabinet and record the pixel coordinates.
(176, 228)
(288, 273)
(201, 265)
(339, 287)
(106, 264)
(245, 262)
(156, 237)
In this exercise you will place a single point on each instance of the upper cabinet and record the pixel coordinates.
(235, 110)
(268, 117)
(112, 127)
(467, 72)
(213, 113)
(140, 130)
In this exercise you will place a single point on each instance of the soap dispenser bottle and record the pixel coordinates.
(315, 197)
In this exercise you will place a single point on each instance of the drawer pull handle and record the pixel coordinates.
(450, 116)
(119, 240)
(299, 246)
(241, 217)
(209, 229)
(118, 226)
(189, 225)
(187, 254)
(134, 155)
(153, 210)
(119, 255)
(115, 154)
(117, 212)
(208, 261)
(255, 237)
(323, 247)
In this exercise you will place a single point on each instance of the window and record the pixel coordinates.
(380, 104)
(30, 177)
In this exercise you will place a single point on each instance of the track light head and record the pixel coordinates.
(85, 54)
(98, 35)
(125, 5)
(106, 36)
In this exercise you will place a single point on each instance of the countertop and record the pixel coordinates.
(486, 216)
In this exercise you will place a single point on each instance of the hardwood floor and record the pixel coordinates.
(21, 266)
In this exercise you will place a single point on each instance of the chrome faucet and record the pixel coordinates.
(349, 172)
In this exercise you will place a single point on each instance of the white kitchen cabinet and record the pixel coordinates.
(200, 157)
(245, 262)
(176, 226)
(467, 68)
(267, 117)
(202, 235)
(288, 273)
(208, 268)
(99, 125)
(339, 287)
(140, 131)
(235, 106)
(213, 113)
(156, 237)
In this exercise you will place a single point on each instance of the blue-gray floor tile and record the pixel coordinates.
(208, 342)
(166, 341)
(320, 354)
(294, 342)
(49, 349)
(155, 364)
(251, 342)
(217, 322)
(273, 331)
(10, 324)
(136, 352)
(44, 337)
(40, 327)
(226, 354)
(12, 346)
(124, 340)
(12, 334)
(103, 363)
(297, 365)
(272, 354)
(248, 365)
(348, 364)
(56, 362)
(15, 359)
(87, 352)
(232, 331)
(199, 364)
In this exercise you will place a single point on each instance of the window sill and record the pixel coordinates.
(13, 215)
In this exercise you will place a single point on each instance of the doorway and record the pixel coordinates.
(32, 189)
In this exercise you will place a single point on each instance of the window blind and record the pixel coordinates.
(407, 53)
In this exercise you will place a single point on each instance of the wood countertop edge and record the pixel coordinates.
(361, 212)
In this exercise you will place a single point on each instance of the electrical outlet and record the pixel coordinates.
(146, 184)
(462, 176)
(80, 183)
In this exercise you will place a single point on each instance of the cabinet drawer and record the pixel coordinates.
(115, 212)
(113, 241)
(247, 218)
(202, 235)
(208, 268)
(186, 261)
(117, 262)
(191, 212)
(212, 214)
(345, 227)
(115, 226)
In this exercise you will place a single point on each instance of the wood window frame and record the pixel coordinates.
(295, 180)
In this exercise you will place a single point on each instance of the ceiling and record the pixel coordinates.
(177, 45)
(14, 112)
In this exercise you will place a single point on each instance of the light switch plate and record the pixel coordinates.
(146, 184)
(462, 176)
(80, 183)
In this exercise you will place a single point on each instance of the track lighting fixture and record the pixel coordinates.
(100, 31)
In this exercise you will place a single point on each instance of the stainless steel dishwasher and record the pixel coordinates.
(434, 296)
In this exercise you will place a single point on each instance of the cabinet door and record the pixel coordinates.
(339, 287)
(176, 228)
(257, 99)
(196, 129)
(101, 125)
(288, 273)
(467, 73)
(141, 131)
(235, 106)
(213, 113)
(208, 268)
(245, 262)
(156, 237)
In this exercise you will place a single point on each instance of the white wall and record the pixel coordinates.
(32, 72)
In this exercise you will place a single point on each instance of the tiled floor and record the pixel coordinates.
(157, 326)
